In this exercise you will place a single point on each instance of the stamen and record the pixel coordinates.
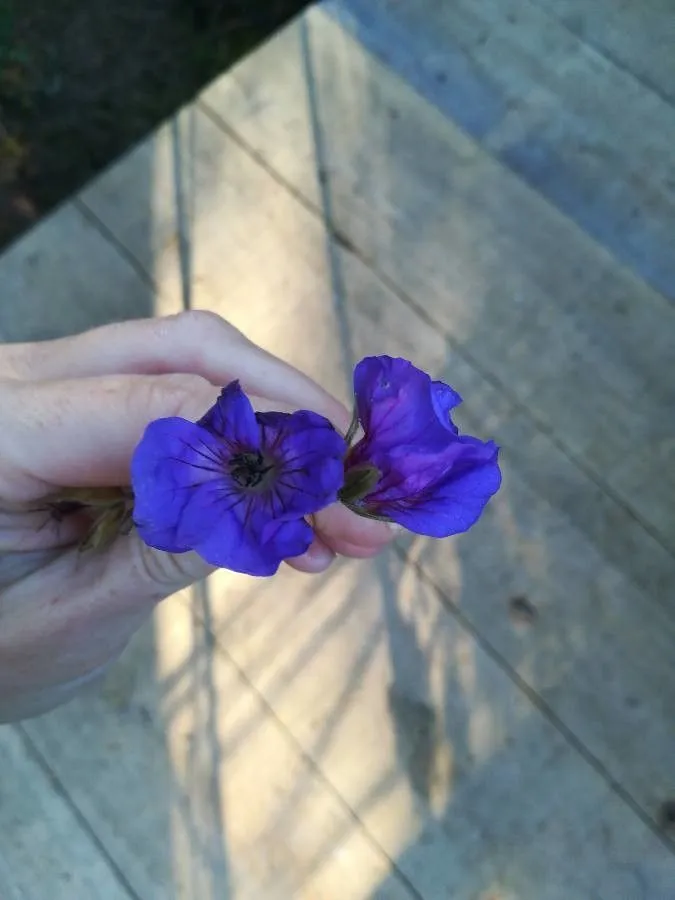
(248, 469)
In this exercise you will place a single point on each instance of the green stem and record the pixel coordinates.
(353, 426)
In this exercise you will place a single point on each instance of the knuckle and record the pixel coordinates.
(201, 323)
(196, 337)
(171, 395)
(161, 573)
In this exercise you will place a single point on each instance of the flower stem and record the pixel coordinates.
(109, 509)
(353, 426)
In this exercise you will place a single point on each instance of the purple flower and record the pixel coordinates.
(412, 466)
(237, 485)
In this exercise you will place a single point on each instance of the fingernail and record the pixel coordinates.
(320, 556)
(394, 527)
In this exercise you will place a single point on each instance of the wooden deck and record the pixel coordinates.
(488, 188)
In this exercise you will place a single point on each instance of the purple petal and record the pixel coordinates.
(398, 405)
(453, 507)
(309, 453)
(407, 473)
(303, 418)
(440, 496)
(444, 400)
(207, 508)
(230, 546)
(233, 419)
(245, 541)
(288, 539)
(174, 461)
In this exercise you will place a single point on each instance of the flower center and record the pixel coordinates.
(249, 468)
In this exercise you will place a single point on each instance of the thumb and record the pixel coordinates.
(134, 575)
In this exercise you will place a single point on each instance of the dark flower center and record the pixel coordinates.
(249, 468)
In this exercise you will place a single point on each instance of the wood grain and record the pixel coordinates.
(45, 851)
(637, 36)
(522, 293)
(597, 651)
(185, 776)
(489, 709)
(590, 137)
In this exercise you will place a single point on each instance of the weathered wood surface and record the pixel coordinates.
(510, 737)
(196, 790)
(589, 136)
(520, 291)
(457, 774)
(296, 294)
(637, 36)
(45, 851)
(48, 287)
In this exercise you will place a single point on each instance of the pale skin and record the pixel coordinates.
(72, 412)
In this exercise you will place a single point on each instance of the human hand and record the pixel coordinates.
(73, 411)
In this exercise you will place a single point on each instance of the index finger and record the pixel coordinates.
(196, 342)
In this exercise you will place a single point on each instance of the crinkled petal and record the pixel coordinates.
(173, 464)
(309, 454)
(453, 507)
(398, 405)
(233, 419)
(408, 473)
(444, 400)
(449, 504)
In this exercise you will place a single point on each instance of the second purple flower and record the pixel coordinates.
(412, 466)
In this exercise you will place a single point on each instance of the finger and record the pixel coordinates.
(317, 559)
(347, 534)
(18, 567)
(82, 433)
(196, 342)
(75, 614)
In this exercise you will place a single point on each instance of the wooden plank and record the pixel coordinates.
(185, 777)
(638, 36)
(47, 288)
(519, 290)
(231, 220)
(588, 136)
(427, 763)
(447, 763)
(311, 301)
(293, 290)
(164, 173)
(44, 849)
(550, 533)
